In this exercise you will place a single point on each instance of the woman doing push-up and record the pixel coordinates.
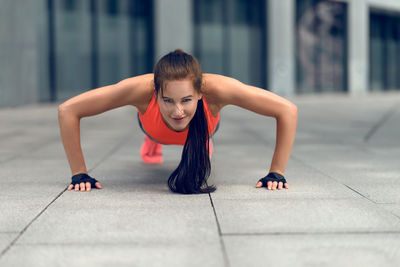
(178, 105)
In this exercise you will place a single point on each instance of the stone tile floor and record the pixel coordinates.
(342, 208)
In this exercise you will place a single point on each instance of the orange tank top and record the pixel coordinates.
(154, 126)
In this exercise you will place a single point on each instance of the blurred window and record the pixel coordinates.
(230, 38)
(98, 42)
(321, 46)
(384, 64)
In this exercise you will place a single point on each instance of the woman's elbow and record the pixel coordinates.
(64, 109)
(289, 111)
(294, 113)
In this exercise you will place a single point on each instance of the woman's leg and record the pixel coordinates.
(151, 151)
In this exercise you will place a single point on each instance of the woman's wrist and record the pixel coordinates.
(79, 172)
(277, 171)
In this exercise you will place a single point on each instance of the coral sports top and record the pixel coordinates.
(153, 125)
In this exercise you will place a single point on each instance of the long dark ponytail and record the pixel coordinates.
(190, 177)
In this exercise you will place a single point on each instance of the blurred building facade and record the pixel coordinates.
(52, 50)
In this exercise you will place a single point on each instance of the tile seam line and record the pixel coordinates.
(112, 151)
(27, 226)
(221, 241)
(97, 244)
(223, 234)
(385, 117)
(315, 233)
(349, 187)
(339, 182)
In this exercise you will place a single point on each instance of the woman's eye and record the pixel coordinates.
(187, 100)
(168, 100)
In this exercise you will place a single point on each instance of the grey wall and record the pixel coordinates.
(19, 69)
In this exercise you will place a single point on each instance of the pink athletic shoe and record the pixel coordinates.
(151, 151)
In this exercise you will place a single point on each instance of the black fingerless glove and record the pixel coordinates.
(273, 177)
(83, 178)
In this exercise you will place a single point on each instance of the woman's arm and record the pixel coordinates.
(132, 91)
(229, 91)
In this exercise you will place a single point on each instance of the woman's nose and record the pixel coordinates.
(178, 110)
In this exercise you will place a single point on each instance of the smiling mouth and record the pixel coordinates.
(178, 119)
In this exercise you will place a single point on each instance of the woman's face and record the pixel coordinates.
(178, 103)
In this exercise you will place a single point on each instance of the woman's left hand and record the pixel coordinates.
(272, 181)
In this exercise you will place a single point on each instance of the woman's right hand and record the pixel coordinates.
(84, 182)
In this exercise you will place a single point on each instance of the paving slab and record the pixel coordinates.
(295, 215)
(394, 208)
(374, 176)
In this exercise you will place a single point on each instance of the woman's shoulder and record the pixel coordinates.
(216, 84)
(211, 84)
(210, 80)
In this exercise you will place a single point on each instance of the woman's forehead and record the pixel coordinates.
(178, 83)
(178, 88)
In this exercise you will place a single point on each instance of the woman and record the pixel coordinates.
(178, 104)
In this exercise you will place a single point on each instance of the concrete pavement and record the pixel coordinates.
(342, 208)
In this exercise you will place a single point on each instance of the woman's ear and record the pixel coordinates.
(200, 95)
